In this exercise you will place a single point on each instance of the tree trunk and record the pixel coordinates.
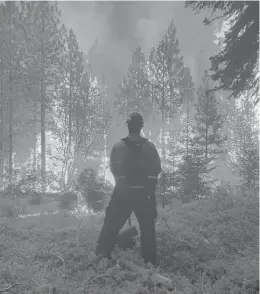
(173, 173)
(105, 143)
(65, 152)
(35, 138)
(206, 127)
(34, 135)
(163, 135)
(68, 147)
(187, 134)
(43, 150)
(10, 132)
(10, 104)
(197, 180)
(163, 160)
(1, 135)
(70, 104)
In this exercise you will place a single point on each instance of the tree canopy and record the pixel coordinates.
(235, 66)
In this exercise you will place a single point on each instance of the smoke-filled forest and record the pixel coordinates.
(70, 74)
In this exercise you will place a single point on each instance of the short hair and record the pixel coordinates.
(135, 122)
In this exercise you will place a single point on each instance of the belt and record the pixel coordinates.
(149, 177)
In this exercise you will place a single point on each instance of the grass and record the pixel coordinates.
(205, 247)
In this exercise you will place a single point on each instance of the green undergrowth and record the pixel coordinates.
(204, 247)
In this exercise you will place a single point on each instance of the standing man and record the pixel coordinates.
(135, 165)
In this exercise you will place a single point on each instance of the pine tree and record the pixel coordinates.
(2, 146)
(186, 173)
(103, 118)
(44, 49)
(120, 104)
(174, 151)
(187, 179)
(31, 91)
(71, 70)
(235, 66)
(134, 90)
(206, 142)
(85, 122)
(75, 71)
(168, 77)
(243, 142)
(188, 93)
(202, 168)
(2, 116)
(155, 121)
(139, 84)
(12, 49)
(89, 120)
(105, 114)
(209, 121)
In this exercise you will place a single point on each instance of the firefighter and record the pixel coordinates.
(135, 165)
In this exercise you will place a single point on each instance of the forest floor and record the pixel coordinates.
(204, 247)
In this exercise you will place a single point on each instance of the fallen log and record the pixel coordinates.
(125, 238)
(68, 200)
(157, 279)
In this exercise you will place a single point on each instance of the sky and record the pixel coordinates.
(119, 27)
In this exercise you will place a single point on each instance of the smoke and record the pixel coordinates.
(109, 32)
(127, 25)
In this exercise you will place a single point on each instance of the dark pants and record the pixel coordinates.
(120, 207)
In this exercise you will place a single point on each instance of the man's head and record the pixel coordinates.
(135, 123)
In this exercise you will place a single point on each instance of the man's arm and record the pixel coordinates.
(158, 166)
(154, 170)
(113, 161)
(155, 160)
(116, 161)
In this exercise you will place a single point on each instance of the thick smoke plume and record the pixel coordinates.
(109, 32)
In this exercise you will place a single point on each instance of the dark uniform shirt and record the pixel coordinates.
(119, 151)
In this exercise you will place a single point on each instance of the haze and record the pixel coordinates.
(119, 27)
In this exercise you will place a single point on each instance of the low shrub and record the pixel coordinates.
(94, 189)
(11, 208)
(36, 198)
(7, 208)
(204, 248)
(68, 200)
(202, 238)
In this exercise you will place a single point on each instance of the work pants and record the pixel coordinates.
(120, 207)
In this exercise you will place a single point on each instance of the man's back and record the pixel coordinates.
(120, 151)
